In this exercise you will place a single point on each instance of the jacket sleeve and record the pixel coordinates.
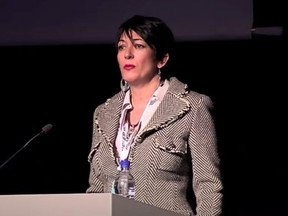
(207, 183)
(95, 185)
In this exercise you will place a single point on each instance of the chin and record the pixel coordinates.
(129, 79)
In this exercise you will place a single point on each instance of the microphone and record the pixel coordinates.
(44, 130)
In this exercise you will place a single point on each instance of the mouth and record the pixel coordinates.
(128, 67)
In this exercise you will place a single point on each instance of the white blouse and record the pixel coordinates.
(125, 136)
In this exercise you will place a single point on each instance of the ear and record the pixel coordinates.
(163, 62)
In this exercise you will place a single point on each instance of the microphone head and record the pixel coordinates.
(47, 128)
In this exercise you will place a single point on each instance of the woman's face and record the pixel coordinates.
(136, 59)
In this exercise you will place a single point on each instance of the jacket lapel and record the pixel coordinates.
(108, 121)
(172, 107)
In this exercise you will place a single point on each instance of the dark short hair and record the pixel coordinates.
(153, 31)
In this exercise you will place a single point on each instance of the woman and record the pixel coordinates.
(163, 128)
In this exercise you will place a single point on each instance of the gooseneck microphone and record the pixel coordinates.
(44, 130)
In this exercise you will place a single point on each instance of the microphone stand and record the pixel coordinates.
(45, 129)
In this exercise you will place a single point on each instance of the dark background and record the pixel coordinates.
(62, 84)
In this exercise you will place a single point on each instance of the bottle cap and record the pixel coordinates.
(125, 163)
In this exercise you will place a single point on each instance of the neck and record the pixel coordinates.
(142, 93)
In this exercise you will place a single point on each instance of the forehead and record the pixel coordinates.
(133, 36)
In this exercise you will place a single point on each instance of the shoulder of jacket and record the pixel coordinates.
(182, 90)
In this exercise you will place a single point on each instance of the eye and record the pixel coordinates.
(139, 46)
(121, 47)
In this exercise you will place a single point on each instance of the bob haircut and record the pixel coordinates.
(152, 30)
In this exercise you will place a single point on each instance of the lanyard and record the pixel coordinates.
(127, 140)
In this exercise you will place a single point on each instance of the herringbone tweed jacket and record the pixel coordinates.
(172, 158)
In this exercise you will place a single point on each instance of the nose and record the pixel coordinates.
(128, 53)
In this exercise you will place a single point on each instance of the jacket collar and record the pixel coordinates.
(173, 106)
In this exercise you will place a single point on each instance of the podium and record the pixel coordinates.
(90, 204)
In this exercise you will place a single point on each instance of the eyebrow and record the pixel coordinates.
(133, 39)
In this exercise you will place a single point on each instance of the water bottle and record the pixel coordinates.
(124, 183)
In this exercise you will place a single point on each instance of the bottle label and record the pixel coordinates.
(131, 192)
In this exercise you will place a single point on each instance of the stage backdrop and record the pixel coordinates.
(95, 21)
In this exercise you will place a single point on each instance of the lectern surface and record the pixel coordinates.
(93, 204)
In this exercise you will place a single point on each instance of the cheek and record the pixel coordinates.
(149, 63)
(149, 59)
